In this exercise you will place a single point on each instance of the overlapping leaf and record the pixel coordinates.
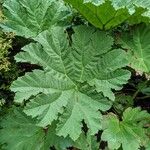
(19, 132)
(130, 132)
(138, 47)
(129, 4)
(96, 11)
(65, 67)
(28, 18)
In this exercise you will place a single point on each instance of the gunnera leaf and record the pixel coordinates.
(130, 5)
(120, 11)
(57, 89)
(29, 18)
(130, 132)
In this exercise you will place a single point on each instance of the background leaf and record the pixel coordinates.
(29, 18)
(130, 132)
(138, 47)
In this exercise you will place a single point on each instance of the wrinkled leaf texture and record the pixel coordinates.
(29, 18)
(65, 67)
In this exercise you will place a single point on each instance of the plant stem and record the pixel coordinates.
(144, 97)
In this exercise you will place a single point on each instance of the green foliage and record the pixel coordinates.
(58, 84)
(129, 5)
(122, 102)
(26, 132)
(77, 90)
(96, 11)
(138, 47)
(21, 132)
(29, 18)
(87, 143)
(82, 64)
(129, 132)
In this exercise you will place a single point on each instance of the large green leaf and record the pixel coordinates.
(66, 67)
(138, 46)
(96, 11)
(82, 62)
(19, 132)
(129, 4)
(28, 18)
(130, 132)
(98, 15)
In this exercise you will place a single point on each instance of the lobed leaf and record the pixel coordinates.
(57, 90)
(96, 11)
(29, 18)
(130, 132)
(129, 4)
